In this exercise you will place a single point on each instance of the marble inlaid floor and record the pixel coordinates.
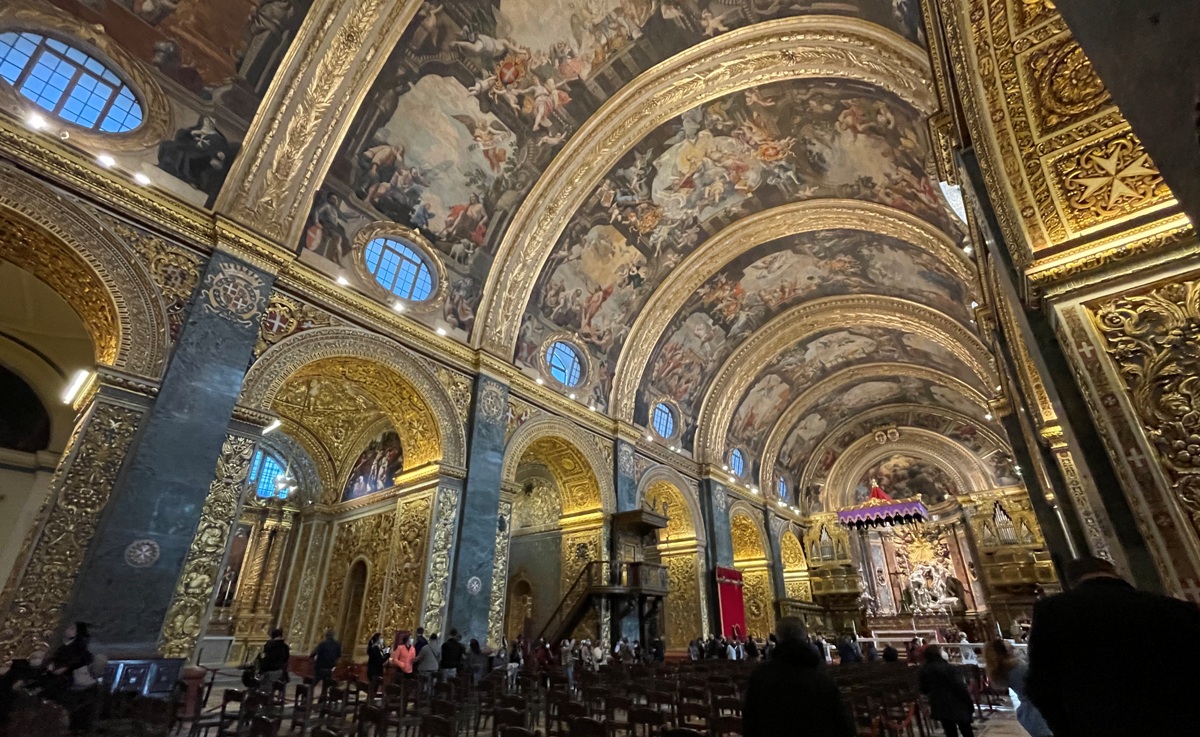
(1000, 724)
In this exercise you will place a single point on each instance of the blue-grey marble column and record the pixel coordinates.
(479, 513)
(625, 476)
(774, 529)
(128, 577)
(714, 505)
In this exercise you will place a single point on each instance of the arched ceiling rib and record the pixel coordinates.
(654, 317)
(850, 392)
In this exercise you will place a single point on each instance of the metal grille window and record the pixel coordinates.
(399, 269)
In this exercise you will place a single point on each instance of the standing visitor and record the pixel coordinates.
(376, 657)
(426, 664)
(476, 661)
(695, 652)
(949, 700)
(325, 658)
(566, 658)
(794, 689)
(891, 654)
(273, 663)
(452, 656)
(1091, 692)
(1005, 670)
(420, 643)
(965, 651)
(404, 654)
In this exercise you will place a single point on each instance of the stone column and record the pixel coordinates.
(714, 506)
(774, 525)
(43, 575)
(144, 535)
(625, 475)
(474, 559)
(448, 512)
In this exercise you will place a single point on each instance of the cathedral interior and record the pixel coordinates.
(595, 317)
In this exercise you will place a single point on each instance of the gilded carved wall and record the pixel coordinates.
(42, 579)
(406, 569)
(438, 581)
(366, 538)
(186, 617)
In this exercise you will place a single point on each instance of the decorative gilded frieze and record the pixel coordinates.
(42, 579)
(437, 588)
(685, 600)
(201, 568)
(1059, 160)
(367, 539)
(406, 570)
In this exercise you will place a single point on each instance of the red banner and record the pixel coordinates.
(733, 609)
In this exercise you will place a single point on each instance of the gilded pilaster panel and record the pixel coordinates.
(366, 538)
(308, 600)
(42, 580)
(756, 591)
(684, 600)
(193, 593)
(295, 575)
(406, 570)
(438, 586)
(500, 575)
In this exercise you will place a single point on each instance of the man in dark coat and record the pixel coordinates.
(325, 659)
(792, 693)
(949, 700)
(452, 656)
(1086, 684)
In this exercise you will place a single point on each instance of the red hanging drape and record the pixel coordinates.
(733, 608)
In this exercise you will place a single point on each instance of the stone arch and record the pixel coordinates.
(746, 234)
(573, 454)
(72, 252)
(285, 358)
(968, 472)
(787, 48)
(659, 478)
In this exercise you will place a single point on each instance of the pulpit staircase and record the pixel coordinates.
(625, 585)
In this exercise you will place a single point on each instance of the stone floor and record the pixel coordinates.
(1000, 724)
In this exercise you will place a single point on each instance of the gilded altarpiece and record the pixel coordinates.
(42, 578)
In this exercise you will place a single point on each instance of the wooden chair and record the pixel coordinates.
(445, 709)
(585, 727)
(435, 726)
(512, 701)
(682, 732)
(614, 704)
(693, 716)
(302, 706)
(661, 701)
(325, 732)
(264, 726)
(727, 706)
(225, 721)
(567, 713)
(370, 718)
(519, 732)
(507, 718)
(725, 726)
(645, 722)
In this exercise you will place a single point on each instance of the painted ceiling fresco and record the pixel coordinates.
(763, 282)
(478, 97)
(903, 476)
(826, 413)
(216, 57)
(820, 355)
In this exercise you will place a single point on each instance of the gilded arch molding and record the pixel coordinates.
(86, 265)
(967, 471)
(688, 491)
(833, 383)
(547, 427)
(749, 535)
(790, 48)
(265, 378)
(880, 416)
(742, 367)
(325, 75)
(746, 234)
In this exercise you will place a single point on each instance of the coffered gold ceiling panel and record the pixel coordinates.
(1066, 174)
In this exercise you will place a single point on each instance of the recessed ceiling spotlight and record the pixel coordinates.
(540, 381)
(968, 250)
(592, 407)
(988, 417)
(725, 467)
(106, 161)
(141, 179)
(974, 305)
(571, 395)
(37, 122)
(398, 307)
(441, 331)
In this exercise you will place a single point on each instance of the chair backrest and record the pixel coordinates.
(569, 711)
(436, 726)
(507, 718)
(584, 727)
(443, 708)
(511, 701)
(264, 726)
(518, 732)
(727, 705)
(682, 732)
(647, 719)
(727, 726)
(324, 732)
(613, 704)
(692, 712)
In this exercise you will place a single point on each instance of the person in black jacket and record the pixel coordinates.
(1087, 691)
(325, 659)
(792, 693)
(273, 663)
(949, 700)
(376, 658)
(452, 656)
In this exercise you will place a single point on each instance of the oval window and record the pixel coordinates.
(564, 363)
(664, 421)
(737, 462)
(781, 487)
(398, 268)
(68, 83)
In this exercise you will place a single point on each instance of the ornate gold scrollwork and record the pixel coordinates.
(438, 585)
(1153, 338)
(406, 570)
(41, 581)
(194, 591)
(500, 574)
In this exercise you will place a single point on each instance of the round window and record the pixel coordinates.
(398, 268)
(68, 83)
(564, 363)
(664, 421)
(737, 462)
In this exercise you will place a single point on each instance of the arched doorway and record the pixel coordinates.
(520, 608)
(680, 549)
(750, 557)
(352, 603)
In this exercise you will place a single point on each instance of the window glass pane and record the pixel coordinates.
(564, 363)
(782, 487)
(737, 462)
(664, 420)
(398, 269)
(68, 83)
